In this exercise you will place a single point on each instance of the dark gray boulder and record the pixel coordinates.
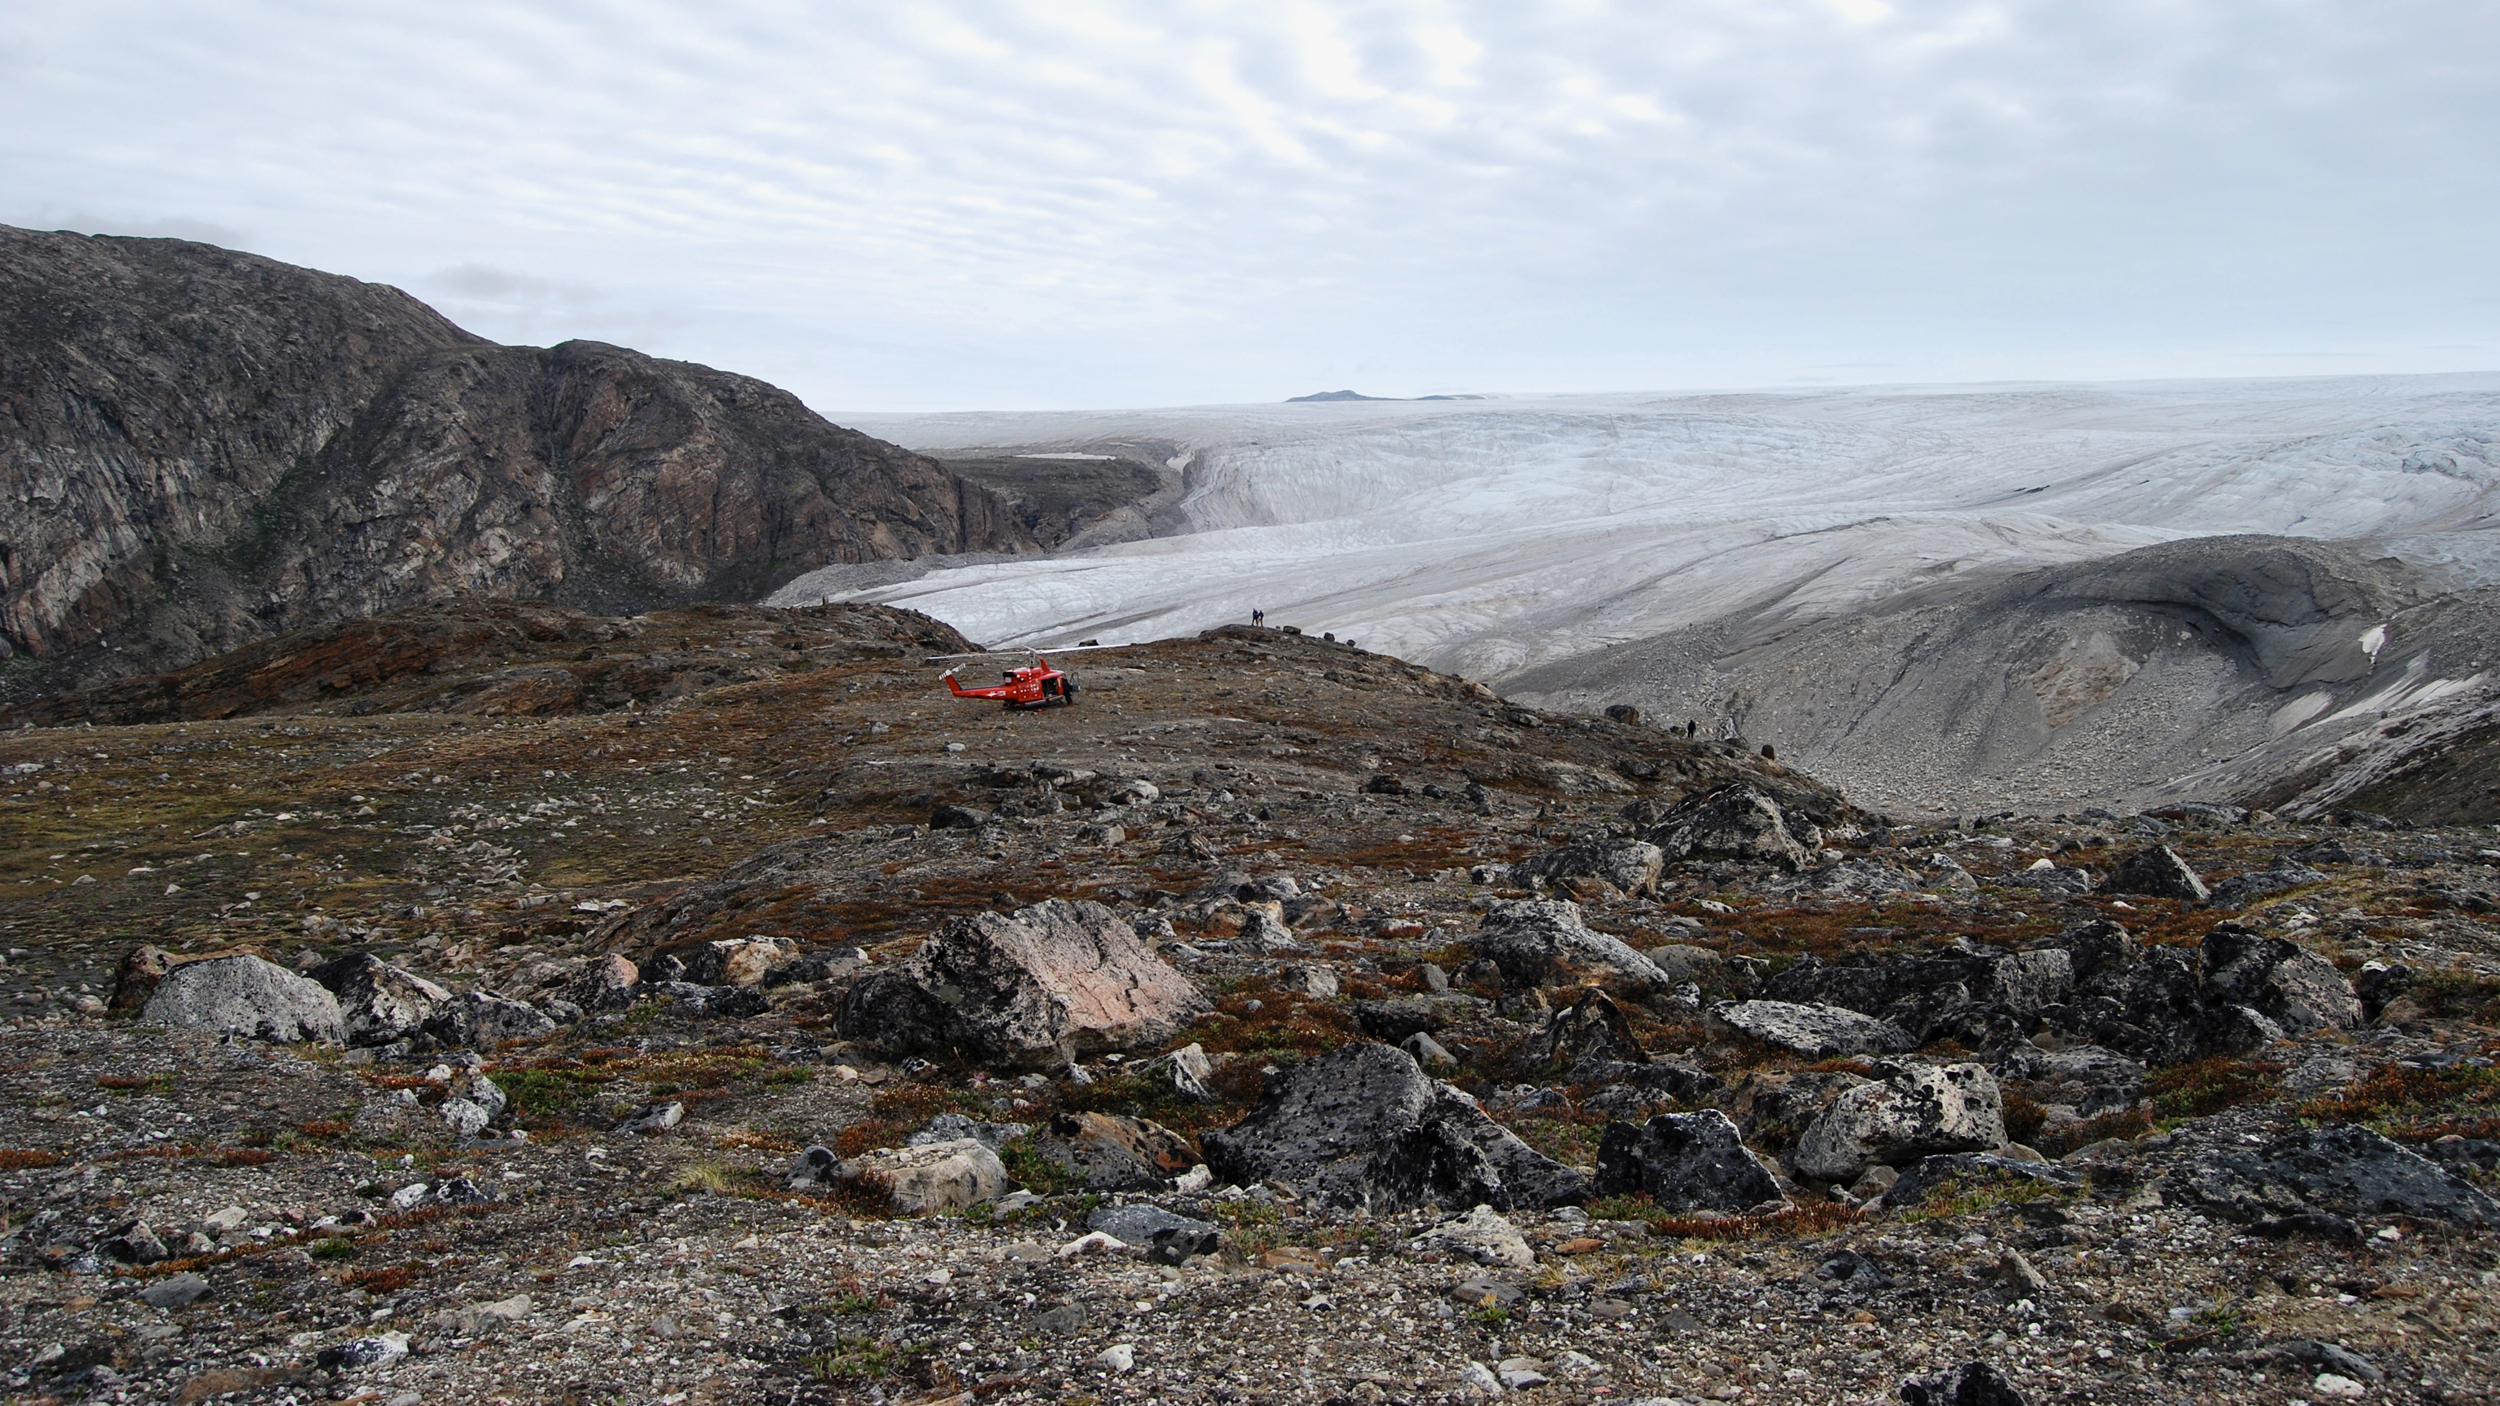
(248, 996)
(1165, 1236)
(1536, 943)
(380, 1002)
(691, 998)
(2244, 889)
(1733, 822)
(1364, 1127)
(2346, 1171)
(481, 1020)
(1398, 1018)
(1971, 1384)
(2294, 988)
(1683, 1162)
(2157, 871)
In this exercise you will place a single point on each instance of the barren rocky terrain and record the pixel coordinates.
(207, 448)
(704, 1007)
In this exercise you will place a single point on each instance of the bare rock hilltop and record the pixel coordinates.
(207, 448)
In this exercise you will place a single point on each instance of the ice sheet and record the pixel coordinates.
(1484, 536)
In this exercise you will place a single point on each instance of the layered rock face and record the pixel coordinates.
(206, 448)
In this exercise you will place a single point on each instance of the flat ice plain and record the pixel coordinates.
(1486, 536)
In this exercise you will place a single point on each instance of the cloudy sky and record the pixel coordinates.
(1076, 203)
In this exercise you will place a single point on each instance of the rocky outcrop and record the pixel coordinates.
(380, 1002)
(1683, 1162)
(208, 448)
(2236, 992)
(1535, 943)
(1364, 1127)
(1628, 866)
(2294, 1180)
(2296, 989)
(1735, 822)
(1917, 1111)
(482, 1020)
(1054, 982)
(248, 996)
(1816, 1031)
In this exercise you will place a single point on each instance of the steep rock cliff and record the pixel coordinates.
(200, 448)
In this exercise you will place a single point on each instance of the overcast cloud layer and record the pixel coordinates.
(960, 203)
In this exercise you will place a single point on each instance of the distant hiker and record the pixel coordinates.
(1258, 617)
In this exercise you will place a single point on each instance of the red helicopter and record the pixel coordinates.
(1036, 685)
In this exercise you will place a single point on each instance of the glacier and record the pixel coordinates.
(1486, 537)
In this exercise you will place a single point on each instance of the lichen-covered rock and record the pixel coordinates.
(1536, 942)
(2346, 1172)
(937, 1176)
(1041, 988)
(1631, 866)
(2290, 986)
(603, 984)
(1815, 1031)
(2029, 982)
(1734, 822)
(1364, 1127)
(737, 961)
(1683, 1162)
(2243, 889)
(1918, 1110)
(380, 1002)
(249, 996)
(1481, 1235)
(1107, 1152)
(1591, 1028)
(481, 1020)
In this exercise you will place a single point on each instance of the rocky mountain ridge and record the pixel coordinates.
(205, 448)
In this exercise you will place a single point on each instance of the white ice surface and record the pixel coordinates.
(1484, 536)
